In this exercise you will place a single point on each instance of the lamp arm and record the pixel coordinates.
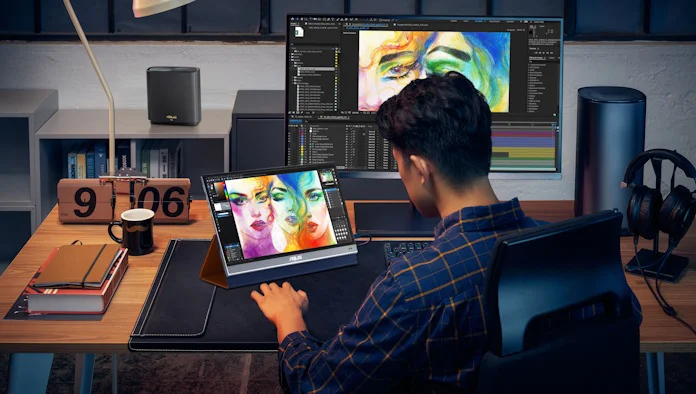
(110, 98)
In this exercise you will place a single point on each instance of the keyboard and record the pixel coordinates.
(395, 249)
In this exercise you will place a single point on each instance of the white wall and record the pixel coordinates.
(665, 72)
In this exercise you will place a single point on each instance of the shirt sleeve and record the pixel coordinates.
(367, 354)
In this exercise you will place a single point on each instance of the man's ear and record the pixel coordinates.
(423, 169)
(397, 154)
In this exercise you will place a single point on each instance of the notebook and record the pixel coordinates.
(79, 266)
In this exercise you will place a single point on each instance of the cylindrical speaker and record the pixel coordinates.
(611, 132)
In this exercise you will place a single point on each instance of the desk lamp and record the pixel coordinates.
(141, 8)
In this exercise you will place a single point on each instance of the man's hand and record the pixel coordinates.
(283, 306)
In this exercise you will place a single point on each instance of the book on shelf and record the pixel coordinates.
(164, 160)
(155, 159)
(82, 162)
(91, 171)
(169, 160)
(145, 158)
(72, 162)
(60, 300)
(100, 158)
(122, 155)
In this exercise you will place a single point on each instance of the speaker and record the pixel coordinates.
(174, 95)
(611, 132)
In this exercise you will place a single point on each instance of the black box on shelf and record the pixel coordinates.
(174, 95)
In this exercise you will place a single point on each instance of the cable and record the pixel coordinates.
(685, 324)
(356, 236)
(635, 248)
(661, 301)
(667, 307)
(637, 264)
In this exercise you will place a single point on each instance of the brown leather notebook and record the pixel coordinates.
(79, 266)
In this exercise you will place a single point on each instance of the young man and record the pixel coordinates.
(422, 326)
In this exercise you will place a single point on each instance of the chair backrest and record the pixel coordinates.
(557, 268)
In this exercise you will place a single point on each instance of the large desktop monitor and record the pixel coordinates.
(340, 68)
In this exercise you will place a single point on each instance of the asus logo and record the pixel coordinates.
(295, 258)
(171, 117)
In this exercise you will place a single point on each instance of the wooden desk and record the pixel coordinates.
(659, 333)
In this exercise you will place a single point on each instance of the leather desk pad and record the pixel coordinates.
(184, 313)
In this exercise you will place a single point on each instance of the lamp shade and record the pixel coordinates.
(143, 8)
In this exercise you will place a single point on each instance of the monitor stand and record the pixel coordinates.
(392, 220)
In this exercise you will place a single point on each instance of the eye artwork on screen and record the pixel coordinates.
(389, 60)
(280, 213)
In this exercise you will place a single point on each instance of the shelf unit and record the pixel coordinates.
(205, 146)
(22, 113)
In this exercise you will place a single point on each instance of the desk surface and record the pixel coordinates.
(658, 331)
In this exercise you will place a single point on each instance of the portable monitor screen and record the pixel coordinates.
(289, 215)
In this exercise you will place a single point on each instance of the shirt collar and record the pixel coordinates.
(481, 218)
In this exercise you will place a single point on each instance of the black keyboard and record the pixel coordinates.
(395, 249)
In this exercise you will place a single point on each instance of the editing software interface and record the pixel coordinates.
(267, 215)
(340, 69)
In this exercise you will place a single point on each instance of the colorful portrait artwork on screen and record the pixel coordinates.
(389, 60)
(280, 213)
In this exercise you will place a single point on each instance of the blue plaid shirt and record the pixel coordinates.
(422, 326)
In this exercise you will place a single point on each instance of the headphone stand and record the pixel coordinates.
(672, 271)
(675, 266)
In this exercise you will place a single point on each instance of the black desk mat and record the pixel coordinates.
(184, 313)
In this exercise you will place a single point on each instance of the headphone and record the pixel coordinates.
(647, 212)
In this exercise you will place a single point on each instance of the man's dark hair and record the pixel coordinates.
(444, 119)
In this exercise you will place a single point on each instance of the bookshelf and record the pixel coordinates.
(205, 147)
(22, 113)
(37, 137)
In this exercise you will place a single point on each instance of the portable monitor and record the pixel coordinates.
(279, 222)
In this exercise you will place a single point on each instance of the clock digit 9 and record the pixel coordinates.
(85, 201)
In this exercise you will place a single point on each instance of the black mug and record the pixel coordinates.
(137, 231)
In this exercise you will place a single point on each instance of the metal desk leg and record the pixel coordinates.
(84, 369)
(656, 372)
(114, 377)
(29, 372)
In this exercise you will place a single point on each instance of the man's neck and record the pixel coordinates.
(451, 200)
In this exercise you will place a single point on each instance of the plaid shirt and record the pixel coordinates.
(422, 326)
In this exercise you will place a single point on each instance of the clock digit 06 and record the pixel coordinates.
(169, 198)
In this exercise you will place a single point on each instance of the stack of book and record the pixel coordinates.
(158, 158)
(86, 160)
(154, 158)
(77, 279)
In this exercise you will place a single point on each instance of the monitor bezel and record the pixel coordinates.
(286, 258)
(394, 174)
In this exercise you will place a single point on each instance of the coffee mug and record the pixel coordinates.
(137, 231)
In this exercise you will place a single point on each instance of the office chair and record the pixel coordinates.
(541, 274)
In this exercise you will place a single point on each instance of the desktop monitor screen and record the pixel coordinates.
(273, 217)
(341, 68)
